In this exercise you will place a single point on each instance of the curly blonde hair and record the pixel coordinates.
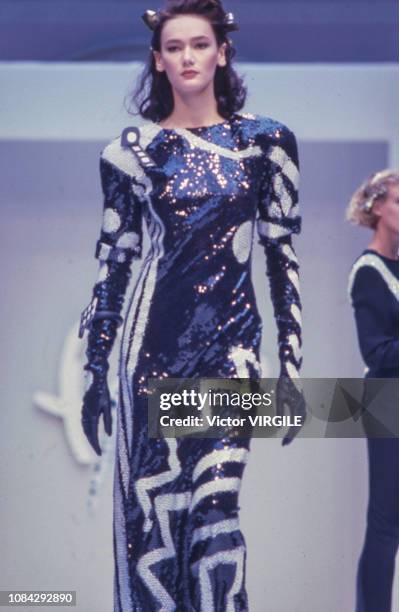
(374, 188)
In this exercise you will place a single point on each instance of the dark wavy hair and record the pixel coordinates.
(153, 96)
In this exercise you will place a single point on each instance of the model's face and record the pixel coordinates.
(387, 211)
(189, 43)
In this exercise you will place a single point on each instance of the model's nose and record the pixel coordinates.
(187, 58)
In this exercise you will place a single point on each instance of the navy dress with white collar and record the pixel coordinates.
(374, 289)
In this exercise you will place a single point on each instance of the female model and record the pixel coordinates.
(198, 173)
(374, 288)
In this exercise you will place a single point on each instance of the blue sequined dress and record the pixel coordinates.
(192, 313)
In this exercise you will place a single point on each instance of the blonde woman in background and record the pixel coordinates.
(374, 290)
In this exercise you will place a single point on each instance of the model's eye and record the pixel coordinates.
(201, 44)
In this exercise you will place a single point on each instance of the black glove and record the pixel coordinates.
(120, 242)
(108, 295)
(96, 402)
(278, 219)
(282, 270)
(97, 399)
(289, 398)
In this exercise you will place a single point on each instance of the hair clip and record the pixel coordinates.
(151, 19)
(368, 205)
(229, 22)
(381, 193)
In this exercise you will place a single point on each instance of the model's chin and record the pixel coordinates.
(187, 80)
(190, 86)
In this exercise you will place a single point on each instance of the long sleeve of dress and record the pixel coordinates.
(119, 243)
(278, 219)
(371, 299)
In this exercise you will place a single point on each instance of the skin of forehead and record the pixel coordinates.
(204, 20)
(192, 38)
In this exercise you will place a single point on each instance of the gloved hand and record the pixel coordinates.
(97, 398)
(278, 220)
(96, 402)
(120, 242)
(283, 272)
(290, 398)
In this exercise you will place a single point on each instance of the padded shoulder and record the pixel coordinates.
(123, 158)
(366, 269)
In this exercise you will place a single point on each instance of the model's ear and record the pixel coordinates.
(158, 61)
(222, 61)
(377, 207)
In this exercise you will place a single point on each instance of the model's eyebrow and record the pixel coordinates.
(193, 38)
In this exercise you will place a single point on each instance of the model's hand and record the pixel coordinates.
(96, 402)
(289, 397)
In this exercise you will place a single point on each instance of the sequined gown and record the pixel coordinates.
(192, 313)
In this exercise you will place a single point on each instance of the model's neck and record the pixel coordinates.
(385, 243)
(195, 110)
